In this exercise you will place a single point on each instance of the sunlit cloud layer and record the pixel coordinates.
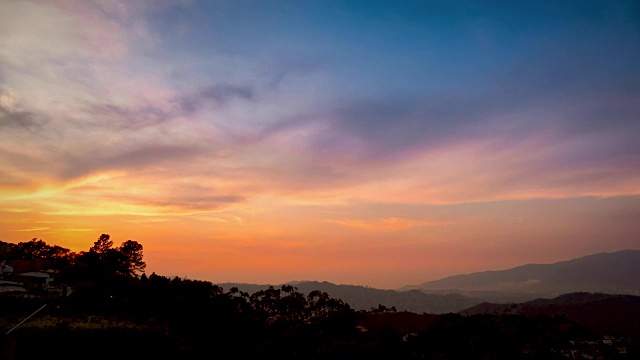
(343, 141)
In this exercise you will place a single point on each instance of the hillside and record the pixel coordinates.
(614, 273)
(603, 313)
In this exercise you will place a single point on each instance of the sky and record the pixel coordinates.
(373, 143)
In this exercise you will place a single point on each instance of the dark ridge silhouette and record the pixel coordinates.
(613, 273)
(403, 322)
(603, 313)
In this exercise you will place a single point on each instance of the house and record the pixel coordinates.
(27, 278)
(5, 269)
(34, 281)
(11, 287)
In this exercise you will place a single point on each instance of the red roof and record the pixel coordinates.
(20, 266)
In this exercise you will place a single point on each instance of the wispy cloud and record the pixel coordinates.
(33, 229)
(384, 225)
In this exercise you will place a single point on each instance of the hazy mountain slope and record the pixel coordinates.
(364, 298)
(605, 272)
(492, 296)
(603, 313)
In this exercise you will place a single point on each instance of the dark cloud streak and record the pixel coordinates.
(21, 120)
(131, 160)
(216, 95)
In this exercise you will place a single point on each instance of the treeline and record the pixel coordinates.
(101, 261)
(186, 318)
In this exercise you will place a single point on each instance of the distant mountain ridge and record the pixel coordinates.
(613, 273)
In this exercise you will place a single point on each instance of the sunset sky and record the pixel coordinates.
(375, 143)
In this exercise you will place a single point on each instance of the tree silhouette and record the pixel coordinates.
(131, 258)
(103, 264)
(102, 245)
(55, 256)
(34, 250)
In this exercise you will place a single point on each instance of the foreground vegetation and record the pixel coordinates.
(118, 312)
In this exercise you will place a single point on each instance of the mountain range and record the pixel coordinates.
(611, 273)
